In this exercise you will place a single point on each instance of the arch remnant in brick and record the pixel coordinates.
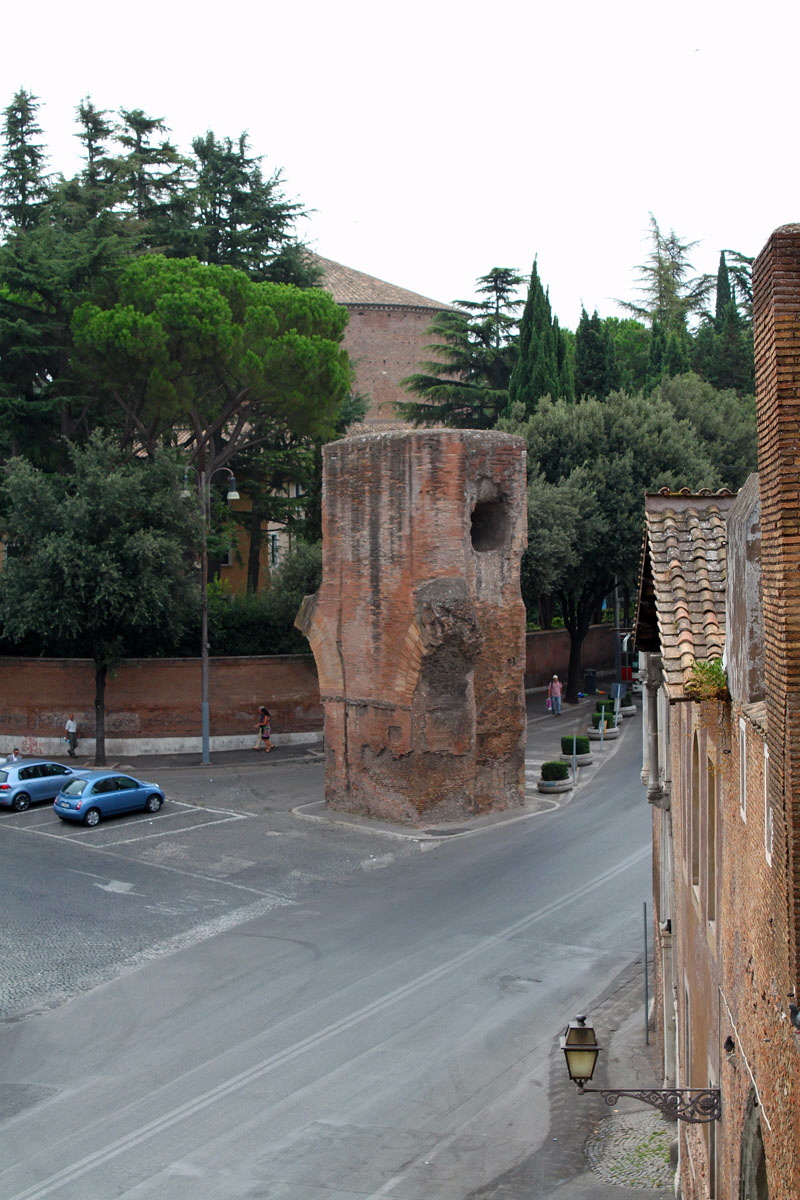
(418, 628)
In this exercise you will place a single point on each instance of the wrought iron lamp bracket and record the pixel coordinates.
(697, 1106)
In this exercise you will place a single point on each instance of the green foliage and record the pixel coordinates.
(65, 240)
(543, 367)
(241, 219)
(555, 771)
(607, 716)
(23, 183)
(631, 341)
(709, 681)
(597, 459)
(97, 559)
(670, 293)
(595, 361)
(466, 385)
(604, 706)
(722, 422)
(205, 351)
(573, 744)
(264, 623)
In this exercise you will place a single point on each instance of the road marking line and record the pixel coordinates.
(190, 1108)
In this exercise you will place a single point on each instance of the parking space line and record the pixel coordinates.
(167, 832)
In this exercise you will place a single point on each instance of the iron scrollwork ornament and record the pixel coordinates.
(697, 1106)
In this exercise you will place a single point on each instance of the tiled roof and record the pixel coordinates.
(354, 288)
(681, 612)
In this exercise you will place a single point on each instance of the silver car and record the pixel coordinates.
(31, 780)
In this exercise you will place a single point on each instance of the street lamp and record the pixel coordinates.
(697, 1106)
(204, 491)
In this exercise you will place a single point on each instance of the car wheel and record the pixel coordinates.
(92, 817)
(21, 801)
(153, 803)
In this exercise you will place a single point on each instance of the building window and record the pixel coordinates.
(769, 832)
(694, 832)
(743, 768)
(711, 842)
(274, 550)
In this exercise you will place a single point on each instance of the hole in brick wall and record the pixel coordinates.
(490, 526)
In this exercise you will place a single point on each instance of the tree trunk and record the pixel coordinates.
(546, 609)
(100, 715)
(575, 668)
(254, 553)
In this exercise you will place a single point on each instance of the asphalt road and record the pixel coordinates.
(265, 1006)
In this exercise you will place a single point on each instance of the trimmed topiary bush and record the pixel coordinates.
(627, 700)
(554, 772)
(604, 706)
(581, 744)
(597, 717)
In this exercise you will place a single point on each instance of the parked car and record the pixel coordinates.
(29, 780)
(105, 795)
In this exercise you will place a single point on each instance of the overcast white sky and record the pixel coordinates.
(437, 139)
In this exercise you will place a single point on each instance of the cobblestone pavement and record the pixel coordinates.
(633, 1150)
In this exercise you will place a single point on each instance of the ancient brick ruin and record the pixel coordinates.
(418, 629)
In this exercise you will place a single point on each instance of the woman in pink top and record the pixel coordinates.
(554, 694)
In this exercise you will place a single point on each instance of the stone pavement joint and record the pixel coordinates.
(632, 1150)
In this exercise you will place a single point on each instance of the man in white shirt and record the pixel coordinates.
(72, 734)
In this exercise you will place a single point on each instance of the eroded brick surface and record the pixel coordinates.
(418, 627)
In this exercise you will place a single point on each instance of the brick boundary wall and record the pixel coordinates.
(153, 705)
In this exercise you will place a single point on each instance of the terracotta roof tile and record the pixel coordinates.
(682, 586)
(355, 289)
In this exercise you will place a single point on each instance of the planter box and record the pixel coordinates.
(581, 760)
(594, 734)
(630, 711)
(554, 785)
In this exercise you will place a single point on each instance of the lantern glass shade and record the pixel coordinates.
(232, 492)
(580, 1050)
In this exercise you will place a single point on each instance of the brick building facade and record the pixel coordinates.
(723, 774)
(387, 337)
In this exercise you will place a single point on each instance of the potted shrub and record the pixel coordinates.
(581, 746)
(611, 729)
(555, 777)
(627, 706)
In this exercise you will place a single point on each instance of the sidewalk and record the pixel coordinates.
(543, 742)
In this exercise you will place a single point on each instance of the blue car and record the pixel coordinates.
(105, 795)
(24, 782)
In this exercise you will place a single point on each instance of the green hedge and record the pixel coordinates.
(598, 717)
(582, 745)
(553, 772)
(604, 706)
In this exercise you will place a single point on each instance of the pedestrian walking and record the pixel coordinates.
(15, 755)
(71, 730)
(264, 729)
(554, 696)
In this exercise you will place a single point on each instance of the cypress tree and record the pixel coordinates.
(543, 367)
(595, 361)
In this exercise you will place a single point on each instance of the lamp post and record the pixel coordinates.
(204, 491)
(697, 1106)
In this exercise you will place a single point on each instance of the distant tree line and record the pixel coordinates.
(159, 321)
(661, 398)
